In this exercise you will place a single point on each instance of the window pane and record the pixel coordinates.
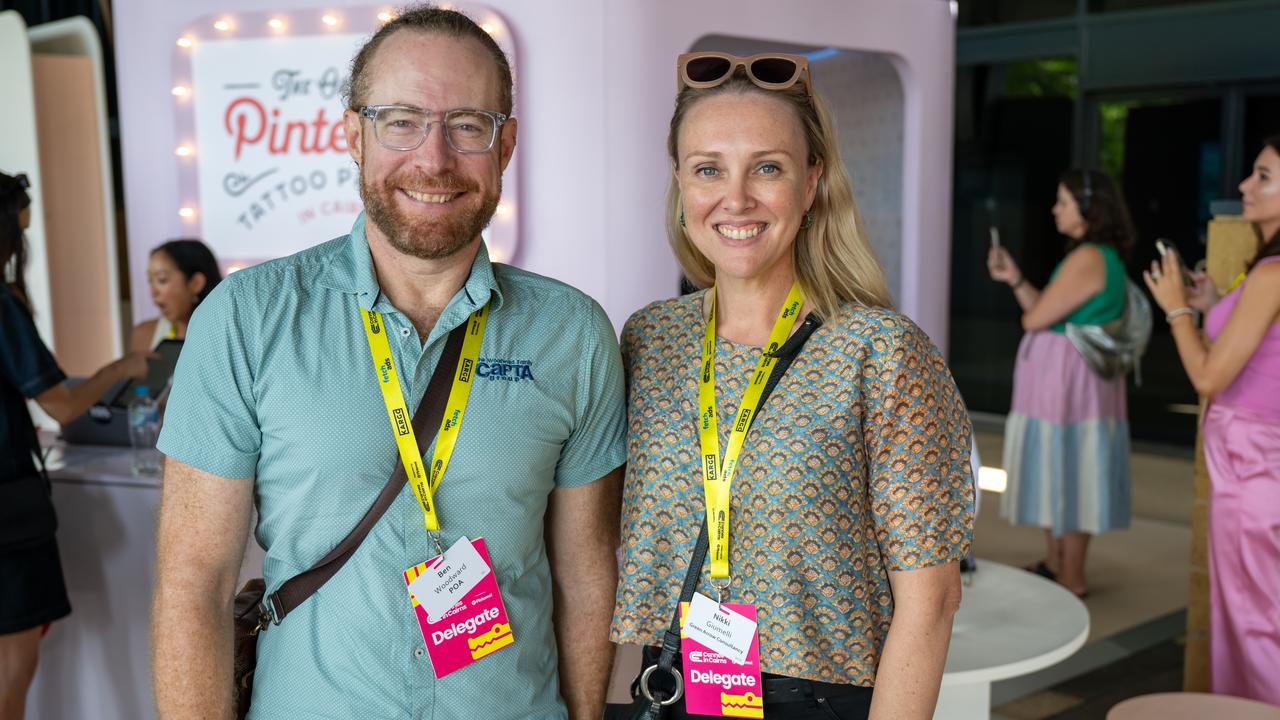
(1166, 153)
(992, 12)
(1014, 125)
(1261, 121)
(1123, 5)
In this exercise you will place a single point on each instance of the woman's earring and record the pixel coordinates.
(681, 218)
(808, 220)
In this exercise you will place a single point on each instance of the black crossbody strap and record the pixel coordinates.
(671, 638)
(426, 421)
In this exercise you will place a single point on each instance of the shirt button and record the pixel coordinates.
(419, 652)
(405, 332)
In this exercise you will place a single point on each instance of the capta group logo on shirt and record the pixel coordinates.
(508, 370)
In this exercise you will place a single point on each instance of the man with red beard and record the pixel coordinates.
(283, 396)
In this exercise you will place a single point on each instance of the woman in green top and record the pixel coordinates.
(1066, 444)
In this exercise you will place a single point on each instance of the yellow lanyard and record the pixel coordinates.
(173, 331)
(424, 484)
(1236, 283)
(717, 476)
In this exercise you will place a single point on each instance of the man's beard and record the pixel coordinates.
(428, 238)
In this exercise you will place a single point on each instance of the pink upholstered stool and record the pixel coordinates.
(1192, 706)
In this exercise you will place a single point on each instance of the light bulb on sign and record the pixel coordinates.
(385, 17)
(276, 24)
(234, 268)
(180, 91)
(489, 28)
(504, 209)
(183, 151)
(185, 42)
(329, 20)
(222, 25)
(186, 213)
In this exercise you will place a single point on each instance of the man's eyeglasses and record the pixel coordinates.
(401, 127)
(771, 71)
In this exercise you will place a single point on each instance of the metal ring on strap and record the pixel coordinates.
(644, 686)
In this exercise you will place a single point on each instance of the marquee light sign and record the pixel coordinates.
(263, 163)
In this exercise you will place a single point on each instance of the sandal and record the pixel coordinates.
(1042, 570)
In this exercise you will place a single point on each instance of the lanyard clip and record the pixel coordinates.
(435, 538)
(722, 590)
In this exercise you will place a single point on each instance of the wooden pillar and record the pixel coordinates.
(1232, 243)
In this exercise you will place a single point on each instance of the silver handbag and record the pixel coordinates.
(1114, 349)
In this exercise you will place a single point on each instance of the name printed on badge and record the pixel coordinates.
(448, 579)
(719, 628)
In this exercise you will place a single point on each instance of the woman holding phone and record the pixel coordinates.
(1240, 375)
(1066, 443)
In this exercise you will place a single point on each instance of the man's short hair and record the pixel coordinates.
(430, 19)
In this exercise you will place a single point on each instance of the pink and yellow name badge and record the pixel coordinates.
(716, 684)
(474, 627)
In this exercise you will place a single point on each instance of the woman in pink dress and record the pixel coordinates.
(1240, 374)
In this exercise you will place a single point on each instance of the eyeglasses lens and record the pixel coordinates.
(404, 129)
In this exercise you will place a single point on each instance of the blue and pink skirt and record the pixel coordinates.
(1066, 442)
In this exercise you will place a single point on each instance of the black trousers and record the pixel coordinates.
(784, 699)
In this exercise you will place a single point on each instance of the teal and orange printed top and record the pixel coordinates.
(858, 465)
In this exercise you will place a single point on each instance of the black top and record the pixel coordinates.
(27, 368)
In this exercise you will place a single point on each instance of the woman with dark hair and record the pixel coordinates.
(1066, 443)
(1240, 375)
(181, 273)
(32, 592)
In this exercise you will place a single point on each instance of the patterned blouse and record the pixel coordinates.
(857, 465)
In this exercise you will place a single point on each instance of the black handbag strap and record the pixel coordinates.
(426, 421)
(671, 638)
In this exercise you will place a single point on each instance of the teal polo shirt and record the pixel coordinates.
(276, 382)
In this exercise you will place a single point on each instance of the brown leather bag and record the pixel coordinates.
(255, 612)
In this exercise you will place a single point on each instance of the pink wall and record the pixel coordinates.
(594, 93)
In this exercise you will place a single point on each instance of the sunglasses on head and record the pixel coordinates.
(771, 71)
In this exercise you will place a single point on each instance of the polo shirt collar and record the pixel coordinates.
(350, 270)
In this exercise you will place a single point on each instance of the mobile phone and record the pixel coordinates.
(995, 236)
(1163, 248)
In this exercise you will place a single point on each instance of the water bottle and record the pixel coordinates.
(144, 426)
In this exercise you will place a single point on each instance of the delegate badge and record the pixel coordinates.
(716, 684)
(475, 624)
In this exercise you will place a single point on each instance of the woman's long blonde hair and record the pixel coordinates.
(834, 262)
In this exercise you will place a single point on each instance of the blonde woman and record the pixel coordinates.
(850, 501)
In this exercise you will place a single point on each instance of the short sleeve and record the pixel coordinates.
(597, 444)
(917, 435)
(210, 421)
(26, 363)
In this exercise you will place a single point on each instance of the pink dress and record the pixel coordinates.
(1242, 451)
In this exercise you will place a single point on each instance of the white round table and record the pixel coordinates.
(1011, 622)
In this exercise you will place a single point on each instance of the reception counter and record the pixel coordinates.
(96, 662)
